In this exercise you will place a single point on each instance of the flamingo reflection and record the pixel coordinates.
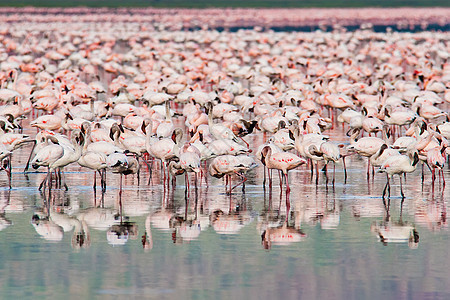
(389, 231)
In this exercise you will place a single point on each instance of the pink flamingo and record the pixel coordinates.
(283, 161)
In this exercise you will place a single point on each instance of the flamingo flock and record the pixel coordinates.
(210, 103)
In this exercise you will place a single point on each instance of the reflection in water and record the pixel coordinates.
(230, 223)
(46, 228)
(4, 202)
(118, 234)
(281, 235)
(320, 231)
(389, 231)
(274, 227)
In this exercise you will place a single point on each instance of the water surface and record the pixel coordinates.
(337, 243)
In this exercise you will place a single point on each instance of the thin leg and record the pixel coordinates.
(49, 181)
(186, 179)
(325, 170)
(104, 179)
(264, 180)
(150, 170)
(345, 170)
(195, 184)
(120, 185)
(334, 172)
(401, 188)
(29, 157)
(9, 172)
(368, 168)
(63, 176)
(389, 188)
(95, 181)
(248, 146)
(386, 186)
(44, 181)
(244, 179)
(288, 202)
(269, 172)
(138, 171)
(288, 189)
(423, 175)
(281, 179)
(317, 173)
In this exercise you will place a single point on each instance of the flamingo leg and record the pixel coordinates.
(104, 180)
(326, 172)
(389, 188)
(8, 171)
(150, 170)
(195, 184)
(345, 170)
(120, 185)
(204, 176)
(186, 179)
(281, 179)
(164, 173)
(248, 146)
(29, 157)
(385, 187)
(244, 179)
(269, 171)
(401, 188)
(148, 167)
(288, 189)
(317, 173)
(168, 176)
(423, 175)
(49, 181)
(44, 181)
(334, 172)
(95, 181)
(63, 177)
(264, 180)
(288, 202)
(433, 176)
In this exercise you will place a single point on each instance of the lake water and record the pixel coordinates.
(337, 243)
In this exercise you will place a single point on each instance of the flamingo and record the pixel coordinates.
(95, 161)
(54, 159)
(436, 160)
(165, 149)
(5, 153)
(47, 155)
(399, 165)
(189, 161)
(122, 164)
(366, 146)
(330, 152)
(283, 161)
(165, 128)
(225, 165)
(217, 130)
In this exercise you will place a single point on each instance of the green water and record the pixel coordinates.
(340, 259)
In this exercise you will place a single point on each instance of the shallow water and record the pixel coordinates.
(210, 245)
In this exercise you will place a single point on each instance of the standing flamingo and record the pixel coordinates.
(283, 161)
(398, 165)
